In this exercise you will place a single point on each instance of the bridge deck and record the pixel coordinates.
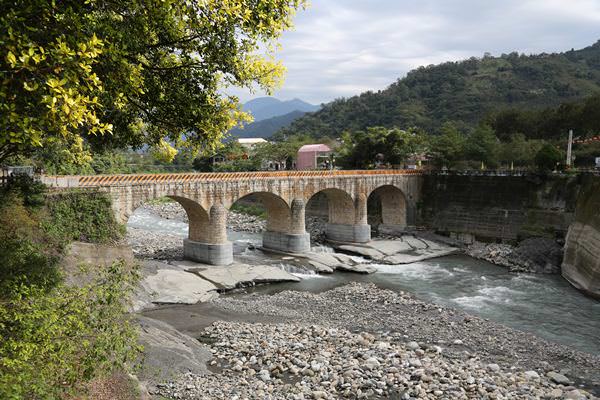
(137, 179)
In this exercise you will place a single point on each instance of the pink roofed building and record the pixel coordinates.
(313, 156)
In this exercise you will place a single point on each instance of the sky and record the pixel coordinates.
(340, 48)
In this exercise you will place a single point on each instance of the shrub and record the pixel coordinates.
(82, 216)
(55, 341)
(548, 157)
(27, 254)
(254, 210)
(56, 337)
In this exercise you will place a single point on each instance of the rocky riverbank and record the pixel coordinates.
(533, 255)
(306, 346)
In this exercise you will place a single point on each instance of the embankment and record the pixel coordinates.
(581, 263)
(499, 208)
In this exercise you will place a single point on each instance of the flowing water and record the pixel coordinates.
(545, 305)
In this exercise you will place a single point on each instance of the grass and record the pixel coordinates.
(161, 200)
(257, 211)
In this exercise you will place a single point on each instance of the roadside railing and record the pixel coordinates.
(136, 179)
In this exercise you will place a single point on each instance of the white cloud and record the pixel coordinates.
(344, 47)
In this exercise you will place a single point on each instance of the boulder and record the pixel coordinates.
(320, 268)
(168, 353)
(170, 286)
(390, 247)
(239, 275)
(358, 268)
(366, 251)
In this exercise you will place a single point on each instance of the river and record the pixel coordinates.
(545, 305)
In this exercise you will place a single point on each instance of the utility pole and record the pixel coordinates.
(569, 147)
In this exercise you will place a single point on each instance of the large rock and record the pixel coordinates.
(319, 267)
(419, 256)
(168, 353)
(239, 275)
(80, 254)
(390, 247)
(405, 250)
(581, 263)
(365, 251)
(169, 286)
(358, 268)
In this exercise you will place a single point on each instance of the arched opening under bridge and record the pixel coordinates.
(342, 214)
(387, 209)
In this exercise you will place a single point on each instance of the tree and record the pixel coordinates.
(548, 157)
(117, 74)
(447, 148)
(519, 151)
(482, 145)
(361, 148)
(282, 151)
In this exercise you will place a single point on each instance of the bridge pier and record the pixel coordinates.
(345, 226)
(287, 242)
(297, 240)
(208, 242)
(207, 253)
(359, 233)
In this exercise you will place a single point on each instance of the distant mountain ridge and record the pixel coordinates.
(271, 115)
(268, 107)
(266, 127)
(464, 92)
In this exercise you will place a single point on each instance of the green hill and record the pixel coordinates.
(464, 91)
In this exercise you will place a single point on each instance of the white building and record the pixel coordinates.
(250, 143)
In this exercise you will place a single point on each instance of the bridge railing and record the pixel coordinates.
(137, 179)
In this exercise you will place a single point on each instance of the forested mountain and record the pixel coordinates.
(266, 127)
(464, 91)
(268, 107)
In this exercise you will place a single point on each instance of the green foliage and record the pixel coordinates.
(464, 92)
(255, 210)
(361, 149)
(82, 216)
(118, 74)
(583, 117)
(53, 341)
(449, 147)
(548, 157)
(482, 145)
(519, 151)
(56, 337)
(30, 191)
(240, 165)
(284, 150)
(27, 254)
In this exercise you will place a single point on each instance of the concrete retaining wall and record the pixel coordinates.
(503, 208)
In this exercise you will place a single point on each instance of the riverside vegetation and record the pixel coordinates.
(58, 338)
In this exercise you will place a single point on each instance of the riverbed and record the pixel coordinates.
(545, 305)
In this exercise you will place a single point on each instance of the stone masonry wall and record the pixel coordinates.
(499, 208)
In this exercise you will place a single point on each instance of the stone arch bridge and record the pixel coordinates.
(207, 197)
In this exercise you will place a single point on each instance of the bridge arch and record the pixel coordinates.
(340, 205)
(278, 210)
(199, 228)
(285, 229)
(345, 216)
(387, 208)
